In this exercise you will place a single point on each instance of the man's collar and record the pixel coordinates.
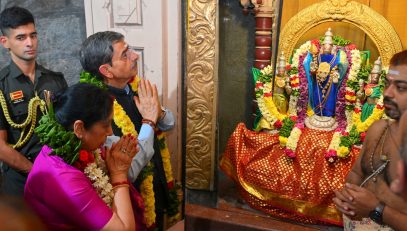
(16, 72)
(123, 91)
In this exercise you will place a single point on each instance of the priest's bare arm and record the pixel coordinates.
(343, 198)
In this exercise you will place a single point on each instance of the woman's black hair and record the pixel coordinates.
(84, 102)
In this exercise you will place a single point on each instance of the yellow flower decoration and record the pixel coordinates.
(146, 189)
(363, 126)
(122, 121)
(343, 151)
(283, 140)
(165, 154)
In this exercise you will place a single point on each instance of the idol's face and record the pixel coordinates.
(395, 91)
(326, 48)
(22, 42)
(374, 78)
(280, 71)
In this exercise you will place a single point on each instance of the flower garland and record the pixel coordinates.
(263, 88)
(377, 114)
(122, 120)
(302, 105)
(173, 208)
(335, 148)
(63, 143)
(66, 145)
(292, 140)
(95, 172)
(295, 86)
(146, 187)
(356, 129)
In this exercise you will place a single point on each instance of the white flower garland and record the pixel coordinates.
(356, 63)
(292, 106)
(292, 139)
(303, 49)
(353, 73)
(100, 180)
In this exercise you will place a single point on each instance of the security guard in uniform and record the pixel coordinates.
(22, 85)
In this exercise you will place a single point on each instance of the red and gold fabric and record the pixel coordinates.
(300, 189)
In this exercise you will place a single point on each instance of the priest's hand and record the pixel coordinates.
(363, 201)
(147, 101)
(343, 201)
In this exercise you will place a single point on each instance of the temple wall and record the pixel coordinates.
(61, 29)
(392, 10)
(236, 58)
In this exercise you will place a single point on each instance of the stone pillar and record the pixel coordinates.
(264, 13)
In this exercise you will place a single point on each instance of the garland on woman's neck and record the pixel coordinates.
(64, 143)
(122, 120)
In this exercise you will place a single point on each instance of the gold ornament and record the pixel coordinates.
(375, 25)
(33, 104)
(323, 71)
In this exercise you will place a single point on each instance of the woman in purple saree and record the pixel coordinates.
(73, 187)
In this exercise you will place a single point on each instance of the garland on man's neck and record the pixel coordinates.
(123, 122)
(64, 143)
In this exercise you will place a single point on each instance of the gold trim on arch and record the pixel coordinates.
(201, 87)
(372, 23)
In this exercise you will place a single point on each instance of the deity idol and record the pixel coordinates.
(325, 70)
(370, 93)
(281, 86)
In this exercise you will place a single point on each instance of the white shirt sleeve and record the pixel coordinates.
(146, 152)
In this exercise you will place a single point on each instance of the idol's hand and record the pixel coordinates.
(343, 201)
(364, 200)
(147, 101)
(119, 157)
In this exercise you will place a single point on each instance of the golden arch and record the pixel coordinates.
(372, 23)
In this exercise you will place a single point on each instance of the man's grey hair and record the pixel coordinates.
(97, 50)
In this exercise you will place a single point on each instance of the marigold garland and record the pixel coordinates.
(122, 120)
(264, 99)
(377, 114)
(147, 193)
(174, 214)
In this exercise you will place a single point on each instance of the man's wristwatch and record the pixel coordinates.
(377, 214)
